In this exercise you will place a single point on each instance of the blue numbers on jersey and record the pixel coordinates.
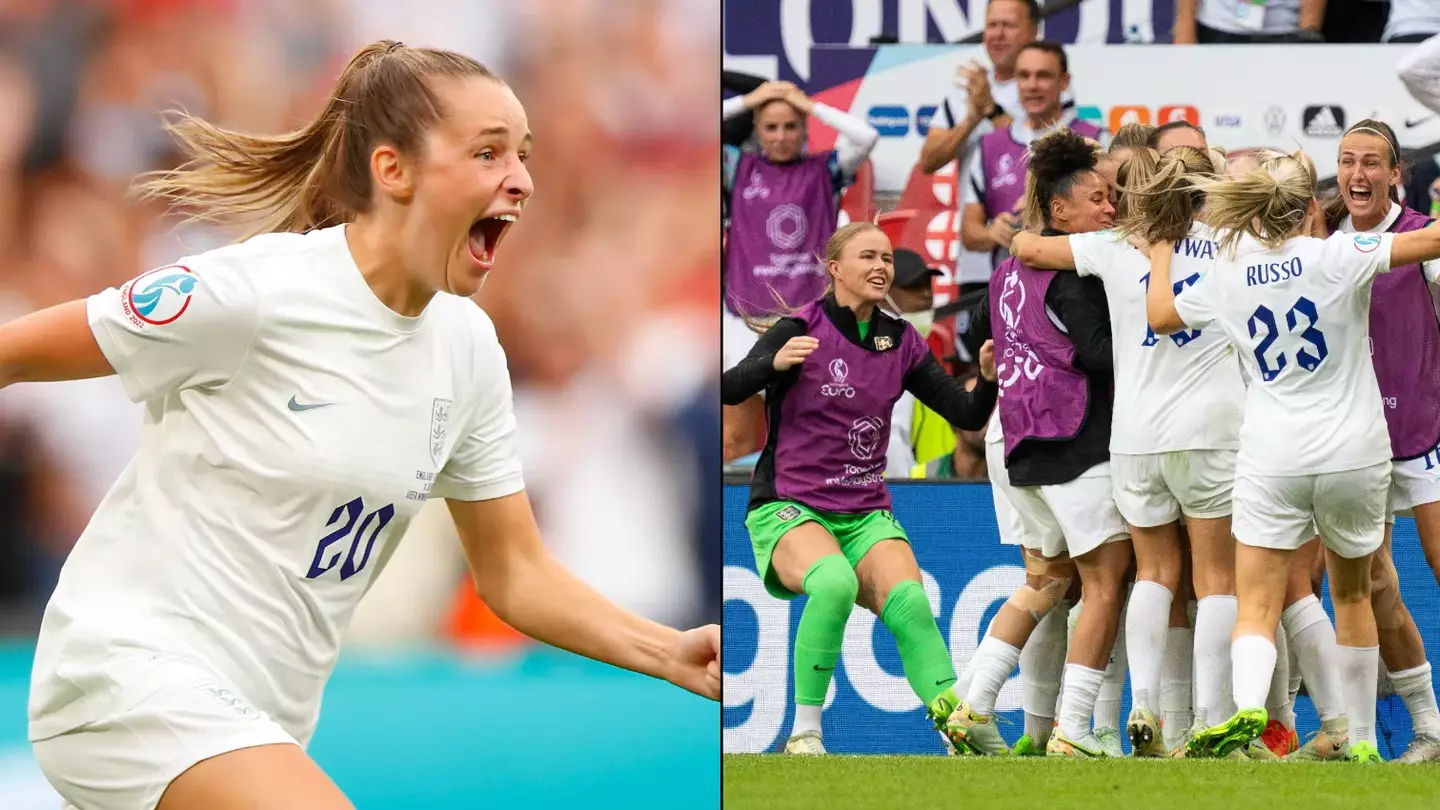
(1302, 311)
(350, 512)
(1184, 335)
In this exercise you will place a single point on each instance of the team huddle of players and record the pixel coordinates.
(1290, 439)
(1207, 385)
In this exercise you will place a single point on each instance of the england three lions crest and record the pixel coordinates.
(439, 421)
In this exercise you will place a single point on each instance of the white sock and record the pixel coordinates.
(1214, 623)
(1253, 662)
(807, 718)
(1042, 662)
(1418, 691)
(1294, 670)
(1082, 688)
(1112, 686)
(1038, 728)
(1175, 692)
(1277, 705)
(1358, 668)
(1070, 622)
(993, 662)
(1146, 622)
(1313, 637)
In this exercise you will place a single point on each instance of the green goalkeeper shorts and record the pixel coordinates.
(856, 535)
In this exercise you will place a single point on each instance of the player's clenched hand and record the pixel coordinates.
(795, 351)
(694, 661)
(987, 360)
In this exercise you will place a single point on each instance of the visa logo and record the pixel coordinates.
(891, 122)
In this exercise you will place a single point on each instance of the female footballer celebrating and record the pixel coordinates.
(183, 655)
(1178, 407)
(819, 515)
(1053, 349)
(1314, 451)
(1405, 335)
(780, 206)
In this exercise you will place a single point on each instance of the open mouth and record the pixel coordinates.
(878, 282)
(485, 237)
(1360, 195)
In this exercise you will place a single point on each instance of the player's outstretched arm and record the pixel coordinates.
(529, 590)
(1413, 247)
(965, 408)
(50, 345)
(1044, 252)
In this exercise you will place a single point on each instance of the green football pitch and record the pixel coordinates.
(773, 782)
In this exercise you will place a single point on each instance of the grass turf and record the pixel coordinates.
(775, 782)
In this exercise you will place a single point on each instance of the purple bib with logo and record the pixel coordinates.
(1405, 340)
(781, 216)
(834, 426)
(1042, 394)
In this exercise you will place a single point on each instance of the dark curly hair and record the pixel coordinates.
(1055, 163)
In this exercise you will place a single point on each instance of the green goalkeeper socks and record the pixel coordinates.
(831, 585)
(923, 653)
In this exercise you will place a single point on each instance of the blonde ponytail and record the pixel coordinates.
(1269, 204)
(319, 174)
(1159, 194)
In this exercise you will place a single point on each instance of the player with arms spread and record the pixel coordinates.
(1314, 448)
(819, 516)
(305, 392)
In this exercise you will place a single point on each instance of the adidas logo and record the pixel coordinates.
(1323, 121)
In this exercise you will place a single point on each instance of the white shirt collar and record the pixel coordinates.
(1348, 225)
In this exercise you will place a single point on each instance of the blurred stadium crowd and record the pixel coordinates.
(603, 297)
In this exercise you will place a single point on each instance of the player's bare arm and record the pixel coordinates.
(944, 145)
(1160, 308)
(529, 590)
(1046, 252)
(51, 345)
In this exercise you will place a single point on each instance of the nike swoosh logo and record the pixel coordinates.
(299, 408)
(1415, 122)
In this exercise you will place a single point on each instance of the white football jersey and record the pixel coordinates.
(1300, 317)
(1172, 392)
(293, 425)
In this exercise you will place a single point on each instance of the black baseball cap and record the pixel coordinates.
(911, 270)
